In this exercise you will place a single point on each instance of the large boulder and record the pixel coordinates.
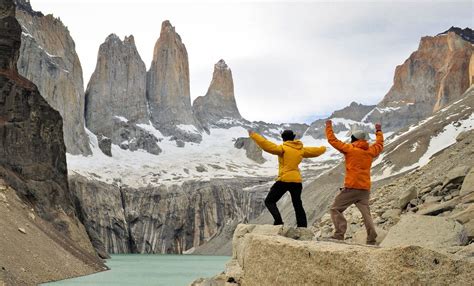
(277, 260)
(427, 231)
(252, 150)
(468, 184)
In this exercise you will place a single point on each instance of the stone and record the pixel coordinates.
(407, 195)
(22, 230)
(252, 150)
(467, 252)
(201, 168)
(426, 231)
(329, 263)
(48, 58)
(468, 184)
(469, 228)
(392, 214)
(219, 101)
(360, 236)
(31, 216)
(439, 208)
(455, 175)
(105, 145)
(168, 89)
(469, 198)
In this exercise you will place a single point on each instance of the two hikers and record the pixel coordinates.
(290, 154)
(358, 159)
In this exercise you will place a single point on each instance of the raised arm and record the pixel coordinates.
(309, 152)
(377, 147)
(336, 143)
(266, 145)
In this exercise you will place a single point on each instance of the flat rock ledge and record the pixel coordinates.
(262, 255)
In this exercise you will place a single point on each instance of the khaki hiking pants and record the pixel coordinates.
(343, 200)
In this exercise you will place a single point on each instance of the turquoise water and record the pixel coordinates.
(139, 269)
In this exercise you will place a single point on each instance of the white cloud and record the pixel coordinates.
(290, 61)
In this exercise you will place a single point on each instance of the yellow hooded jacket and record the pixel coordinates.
(290, 154)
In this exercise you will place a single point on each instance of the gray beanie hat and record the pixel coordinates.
(359, 134)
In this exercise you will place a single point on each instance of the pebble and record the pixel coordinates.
(31, 216)
(22, 230)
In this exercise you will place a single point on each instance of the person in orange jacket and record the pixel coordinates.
(290, 154)
(358, 156)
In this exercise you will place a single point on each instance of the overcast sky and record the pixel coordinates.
(291, 61)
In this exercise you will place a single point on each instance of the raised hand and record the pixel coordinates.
(378, 127)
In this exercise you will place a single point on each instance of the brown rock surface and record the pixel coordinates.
(48, 58)
(168, 86)
(44, 253)
(219, 101)
(434, 76)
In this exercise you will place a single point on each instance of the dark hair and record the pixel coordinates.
(288, 135)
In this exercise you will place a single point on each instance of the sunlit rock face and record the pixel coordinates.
(48, 58)
(168, 87)
(219, 101)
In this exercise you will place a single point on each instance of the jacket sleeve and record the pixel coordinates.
(336, 143)
(309, 152)
(377, 147)
(266, 145)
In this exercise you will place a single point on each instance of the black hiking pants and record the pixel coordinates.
(276, 192)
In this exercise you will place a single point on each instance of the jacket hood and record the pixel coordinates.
(295, 144)
(362, 144)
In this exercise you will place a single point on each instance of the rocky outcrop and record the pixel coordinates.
(426, 231)
(344, 119)
(355, 111)
(434, 76)
(117, 87)
(168, 90)
(33, 157)
(48, 58)
(219, 101)
(162, 219)
(258, 253)
(252, 150)
(116, 101)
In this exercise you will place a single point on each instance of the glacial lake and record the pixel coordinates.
(141, 269)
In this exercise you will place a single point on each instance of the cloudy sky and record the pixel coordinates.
(291, 61)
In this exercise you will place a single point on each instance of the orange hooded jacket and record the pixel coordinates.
(290, 154)
(359, 156)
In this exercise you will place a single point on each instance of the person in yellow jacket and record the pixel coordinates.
(290, 154)
(358, 156)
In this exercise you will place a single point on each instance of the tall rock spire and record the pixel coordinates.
(219, 101)
(117, 86)
(168, 84)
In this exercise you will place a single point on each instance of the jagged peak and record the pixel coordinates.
(112, 38)
(129, 39)
(25, 5)
(168, 29)
(466, 33)
(221, 65)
